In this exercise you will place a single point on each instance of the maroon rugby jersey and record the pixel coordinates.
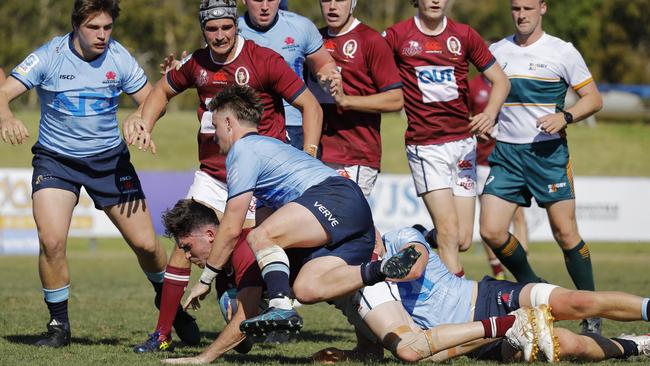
(434, 72)
(367, 67)
(260, 68)
(479, 94)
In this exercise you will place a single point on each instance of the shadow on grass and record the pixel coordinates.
(30, 339)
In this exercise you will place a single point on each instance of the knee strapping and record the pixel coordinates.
(403, 337)
(272, 254)
(541, 293)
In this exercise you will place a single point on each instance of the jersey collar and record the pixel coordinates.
(354, 24)
(418, 24)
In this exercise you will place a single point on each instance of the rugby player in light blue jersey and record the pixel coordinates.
(79, 78)
(298, 41)
(307, 206)
(433, 296)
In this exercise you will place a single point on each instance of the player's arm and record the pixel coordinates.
(150, 111)
(312, 120)
(589, 103)
(322, 63)
(482, 123)
(12, 129)
(224, 243)
(383, 102)
(247, 307)
(132, 122)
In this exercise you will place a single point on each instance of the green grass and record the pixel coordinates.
(609, 149)
(111, 307)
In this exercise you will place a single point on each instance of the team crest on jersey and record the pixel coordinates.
(413, 49)
(242, 76)
(202, 79)
(111, 78)
(28, 64)
(290, 43)
(350, 48)
(453, 45)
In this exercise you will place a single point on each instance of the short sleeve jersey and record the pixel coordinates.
(479, 94)
(434, 70)
(275, 172)
(244, 264)
(272, 79)
(367, 67)
(540, 75)
(79, 98)
(438, 296)
(294, 37)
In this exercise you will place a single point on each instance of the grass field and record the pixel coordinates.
(608, 149)
(111, 307)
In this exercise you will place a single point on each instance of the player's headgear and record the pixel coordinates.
(217, 9)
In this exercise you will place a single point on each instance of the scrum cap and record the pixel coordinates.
(217, 9)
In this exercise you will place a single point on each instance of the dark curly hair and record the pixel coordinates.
(84, 8)
(242, 101)
(185, 217)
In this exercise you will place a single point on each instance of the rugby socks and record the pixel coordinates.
(513, 256)
(497, 268)
(371, 273)
(173, 286)
(57, 303)
(274, 264)
(630, 348)
(497, 326)
(578, 263)
(645, 308)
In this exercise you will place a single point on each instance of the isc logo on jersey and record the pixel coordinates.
(437, 83)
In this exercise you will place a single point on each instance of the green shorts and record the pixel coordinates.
(521, 171)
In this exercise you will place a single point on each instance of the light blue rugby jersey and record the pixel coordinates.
(438, 296)
(276, 172)
(293, 37)
(79, 99)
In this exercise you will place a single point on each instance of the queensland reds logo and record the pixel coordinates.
(453, 45)
(350, 48)
(242, 76)
(413, 49)
(203, 78)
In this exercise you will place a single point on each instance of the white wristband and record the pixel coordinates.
(209, 274)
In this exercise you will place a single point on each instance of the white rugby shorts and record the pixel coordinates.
(447, 165)
(482, 173)
(213, 193)
(364, 176)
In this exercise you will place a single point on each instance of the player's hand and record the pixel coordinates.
(481, 123)
(170, 62)
(336, 89)
(13, 130)
(552, 123)
(198, 293)
(136, 132)
(197, 360)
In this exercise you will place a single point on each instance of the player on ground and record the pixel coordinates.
(194, 228)
(368, 84)
(433, 55)
(227, 60)
(297, 40)
(531, 157)
(79, 78)
(434, 297)
(307, 205)
(479, 93)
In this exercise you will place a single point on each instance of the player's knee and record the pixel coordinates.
(409, 345)
(464, 243)
(52, 246)
(491, 236)
(257, 237)
(306, 293)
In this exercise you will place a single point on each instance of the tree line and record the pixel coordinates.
(612, 35)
